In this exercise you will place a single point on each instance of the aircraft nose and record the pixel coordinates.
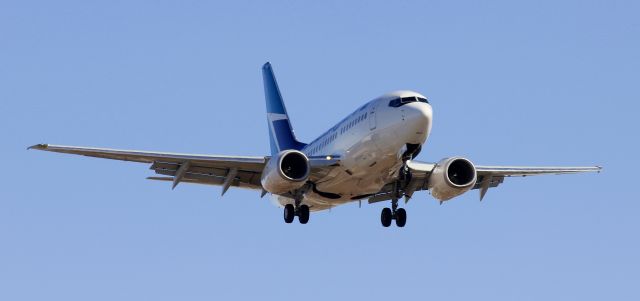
(420, 114)
(419, 118)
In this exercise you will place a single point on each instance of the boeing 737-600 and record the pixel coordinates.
(369, 155)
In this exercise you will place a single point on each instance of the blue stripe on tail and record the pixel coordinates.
(277, 118)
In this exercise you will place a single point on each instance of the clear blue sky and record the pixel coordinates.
(529, 83)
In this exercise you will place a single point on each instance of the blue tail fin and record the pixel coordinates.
(281, 135)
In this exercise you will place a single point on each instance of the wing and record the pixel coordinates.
(487, 177)
(492, 176)
(236, 171)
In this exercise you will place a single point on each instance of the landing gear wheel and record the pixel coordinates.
(401, 217)
(386, 217)
(289, 213)
(303, 214)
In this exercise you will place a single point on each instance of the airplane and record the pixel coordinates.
(369, 155)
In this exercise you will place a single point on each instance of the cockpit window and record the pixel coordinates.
(397, 102)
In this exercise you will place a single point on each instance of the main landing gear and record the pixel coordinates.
(395, 213)
(290, 212)
(297, 208)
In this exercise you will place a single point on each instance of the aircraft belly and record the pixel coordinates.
(367, 174)
(359, 172)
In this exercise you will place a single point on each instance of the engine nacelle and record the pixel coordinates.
(452, 177)
(286, 171)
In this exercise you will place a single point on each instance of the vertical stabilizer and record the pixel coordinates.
(281, 135)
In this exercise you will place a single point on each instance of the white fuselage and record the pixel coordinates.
(370, 143)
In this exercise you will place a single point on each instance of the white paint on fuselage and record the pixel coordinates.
(370, 148)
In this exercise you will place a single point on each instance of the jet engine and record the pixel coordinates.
(452, 177)
(286, 171)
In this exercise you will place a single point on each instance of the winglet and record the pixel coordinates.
(41, 146)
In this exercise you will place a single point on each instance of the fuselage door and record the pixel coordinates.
(372, 116)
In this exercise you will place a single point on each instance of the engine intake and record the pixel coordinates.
(461, 172)
(452, 177)
(294, 166)
(286, 171)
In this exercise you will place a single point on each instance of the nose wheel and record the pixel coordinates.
(302, 212)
